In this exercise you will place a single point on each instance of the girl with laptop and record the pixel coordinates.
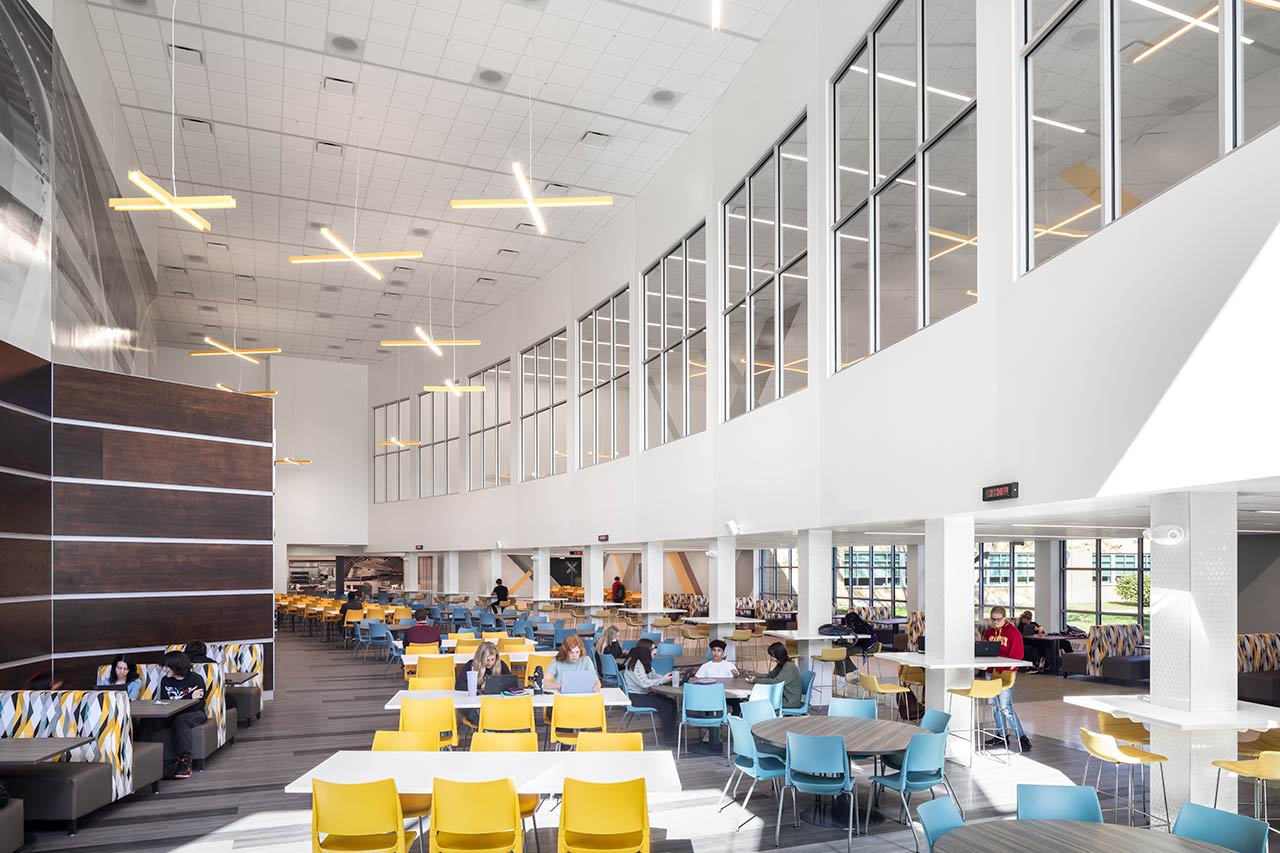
(572, 657)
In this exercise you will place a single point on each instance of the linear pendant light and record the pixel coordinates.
(515, 203)
(246, 354)
(455, 389)
(717, 15)
(527, 192)
(289, 460)
(222, 387)
(181, 206)
(395, 442)
(348, 256)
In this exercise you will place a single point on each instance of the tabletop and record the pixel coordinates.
(613, 698)
(147, 709)
(799, 637)
(734, 688)
(1064, 836)
(655, 612)
(897, 620)
(235, 679)
(860, 735)
(33, 750)
(1248, 716)
(463, 657)
(928, 661)
(732, 620)
(533, 772)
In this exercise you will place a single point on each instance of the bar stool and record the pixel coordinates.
(1108, 751)
(1263, 769)
(1124, 731)
(741, 640)
(695, 636)
(980, 693)
(875, 690)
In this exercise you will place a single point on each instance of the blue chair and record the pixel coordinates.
(379, 638)
(654, 636)
(628, 645)
(563, 634)
(772, 692)
(748, 762)
(938, 722)
(393, 654)
(706, 700)
(818, 765)
(487, 622)
(558, 624)
(938, 817)
(362, 634)
(864, 709)
(1058, 802)
(922, 768)
(407, 620)
(806, 687)
(641, 711)
(1232, 831)
(609, 674)
(662, 664)
(757, 711)
(672, 649)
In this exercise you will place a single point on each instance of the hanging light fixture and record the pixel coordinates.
(717, 14)
(223, 349)
(455, 389)
(289, 460)
(222, 387)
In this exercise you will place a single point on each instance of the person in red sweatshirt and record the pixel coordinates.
(1005, 633)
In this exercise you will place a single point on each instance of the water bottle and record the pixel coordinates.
(472, 677)
(675, 678)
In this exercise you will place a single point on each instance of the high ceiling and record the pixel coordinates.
(415, 110)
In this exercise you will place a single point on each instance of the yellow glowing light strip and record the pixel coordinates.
(360, 256)
(395, 442)
(717, 14)
(190, 202)
(1053, 229)
(456, 390)
(222, 387)
(417, 343)
(971, 293)
(246, 354)
(346, 250)
(168, 202)
(528, 197)
(960, 242)
(426, 339)
(289, 460)
(1177, 34)
(514, 203)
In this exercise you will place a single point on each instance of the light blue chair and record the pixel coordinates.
(1233, 831)
(563, 634)
(818, 765)
(641, 711)
(864, 709)
(609, 675)
(663, 664)
(706, 700)
(1059, 802)
(653, 636)
(362, 634)
(771, 692)
(393, 654)
(938, 817)
(757, 711)
(806, 687)
(672, 649)
(922, 764)
(748, 761)
(379, 638)
(938, 722)
(628, 645)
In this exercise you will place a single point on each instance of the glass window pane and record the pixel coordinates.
(1065, 170)
(622, 415)
(379, 479)
(504, 455)
(673, 300)
(406, 474)
(543, 356)
(490, 396)
(504, 392)
(853, 294)
(1039, 12)
(621, 332)
(1168, 96)
(653, 403)
(477, 461)
(653, 311)
(895, 86)
(446, 476)
(795, 327)
(897, 294)
(528, 382)
(736, 362)
(560, 437)
(586, 353)
(604, 344)
(560, 367)
(379, 428)
(1120, 589)
(697, 383)
(696, 279)
(424, 419)
(604, 433)
(587, 427)
(852, 137)
(764, 209)
(950, 61)
(455, 466)
(1261, 72)
(1081, 553)
(544, 443)
(448, 412)
(529, 440)
(426, 476)
(674, 359)
(735, 247)
(475, 402)
(952, 239)
(794, 163)
(764, 385)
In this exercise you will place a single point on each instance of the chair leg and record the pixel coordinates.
(537, 842)
(951, 791)
(1216, 785)
(422, 837)
(777, 825)
(721, 805)
(853, 806)
(746, 800)
(906, 810)
(795, 808)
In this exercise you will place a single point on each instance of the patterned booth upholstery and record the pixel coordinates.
(744, 606)
(774, 609)
(693, 603)
(109, 768)
(877, 611)
(915, 630)
(239, 657)
(1258, 662)
(220, 728)
(1111, 651)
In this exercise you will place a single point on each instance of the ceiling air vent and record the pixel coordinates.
(595, 139)
(196, 125)
(338, 86)
(329, 149)
(185, 55)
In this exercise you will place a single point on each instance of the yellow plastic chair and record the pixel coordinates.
(476, 817)
(436, 667)
(1268, 741)
(515, 644)
(1124, 731)
(467, 646)
(422, 649)
(610, 742)
(571, 714)
(980, 692)
(875, 690)
(513, 742)
(411, 805)
(362, 818)
(431, 682)
(430, 715)
(1107, 751)
(494, 635)
(611, 817)
(1263, 769)
(741, 639)
(506, 714)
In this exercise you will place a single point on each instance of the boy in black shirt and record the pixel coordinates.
(178, 683)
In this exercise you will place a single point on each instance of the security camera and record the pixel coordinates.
(1165, 534)
(497, 543)
(711, 554)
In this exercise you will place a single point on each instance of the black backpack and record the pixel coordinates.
(620, 594)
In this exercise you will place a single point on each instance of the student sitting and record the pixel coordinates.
(197, 652)
(178, 683)
(608, 643)
(719, 666)
(638, 678)
(485, 663)
(572, 657)
(123, 674)
(421, 633)
(784, 672)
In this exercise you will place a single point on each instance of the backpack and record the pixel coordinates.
(909, 707)
(619, 594)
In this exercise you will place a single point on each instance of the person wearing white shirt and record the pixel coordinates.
(718, 666)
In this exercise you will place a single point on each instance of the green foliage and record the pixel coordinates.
(1127, 589)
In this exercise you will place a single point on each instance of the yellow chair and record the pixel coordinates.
(1108, 751)
(571, 714)
(411, 805)
(611, 817)
(365, 817)
(1124, 731)
(515, 644)
(1263, 769)
(1268, 741)
(506, 714)
(741, 639)
(401, 613)
(431, 682)
(467, 646)
(980, 693)
(430, 715)
(422, 649)
(538, 659)
(513, 742)
(493, 635)
(476, 817)
(610, 742)
(875, 690)
(441, 666)
(661, 622)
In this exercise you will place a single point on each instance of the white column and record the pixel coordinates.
(813, 605)
(411, 571)
(653, 570)
(915, 578)
(593, 578)
(1193, 639)
(1049, 584)
(948, 610)
(542, 573)
(722, 585)
(494, 568)
(452, 563)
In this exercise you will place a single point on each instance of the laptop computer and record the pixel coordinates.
(986, 649)
(498, 684)
(578, 681)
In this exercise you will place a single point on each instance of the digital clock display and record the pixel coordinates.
(1002, 492)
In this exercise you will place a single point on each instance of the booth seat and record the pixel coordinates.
(1111, 652)
(110, 767)
(220, 728)
(11, 836)
(744, 606)
(1258, 664)
(694, 604)
(239, 657)
(915, 630)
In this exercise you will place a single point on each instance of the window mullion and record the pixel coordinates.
(922, 200)
(1230, 76)
(777, 271)
(1110, 113)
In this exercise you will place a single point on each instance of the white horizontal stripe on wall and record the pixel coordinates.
(132, 484)
(137, 649)
(20, 410)
(25, 661)
(19, 599)
(37, 537)
(168, 432)
(195, 593)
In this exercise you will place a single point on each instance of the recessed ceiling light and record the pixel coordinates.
(338, 86)
(183, 293)
(508, 253)
(420, 231)
(196, 125)
(595, 139)
(328, 149)
(185, 55)
(329, 288)
(664, 97)
(346, 44)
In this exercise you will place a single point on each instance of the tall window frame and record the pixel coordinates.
(440, 468)
(604, 381)
(392, 471)
(869, 574)
(670, 410)
(778, 567)
(1005, 576)
(544, 411)
(1106, 572)
(489, 427)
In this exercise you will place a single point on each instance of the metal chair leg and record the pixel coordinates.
(777, 825)
(721, 805)
(746, 800)
(906, 811)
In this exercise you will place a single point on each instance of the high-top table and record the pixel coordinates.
(1064, 836)
(34, 750)
(649, 615)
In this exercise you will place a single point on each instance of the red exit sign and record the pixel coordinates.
(603, 537)
(1002, 492)
(575, 553)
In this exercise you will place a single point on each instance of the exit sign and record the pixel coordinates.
(1002, 492)
(575, 553)
(603, 537)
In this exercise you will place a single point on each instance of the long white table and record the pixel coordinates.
(1248, 716)
(533, 772)
(613, 698)
(928, 661)
(463, 657)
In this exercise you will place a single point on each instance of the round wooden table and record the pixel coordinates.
(861, 737)
(1064, 836)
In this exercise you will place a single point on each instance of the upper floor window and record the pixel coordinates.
(766, 278)
(675, 342)
(917, 164)
(440, 450)
(489, 423)
(392, 463)
(544, 420)
(604, 371)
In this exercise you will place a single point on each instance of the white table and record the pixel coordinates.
(463, 657)
(735, 620)
(533, 772)
(1248, 716)
(928, 661)
(613, 698)
(649, 615)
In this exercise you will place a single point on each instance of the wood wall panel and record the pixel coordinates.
(121, 623)
(24, 442)
(24, 630)
(12, 677)
(85, 567)
(112, 398)
(85, 509)
(24, 379)
(24, 565)
(24, 504)
(83, 671)
(139, 457)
